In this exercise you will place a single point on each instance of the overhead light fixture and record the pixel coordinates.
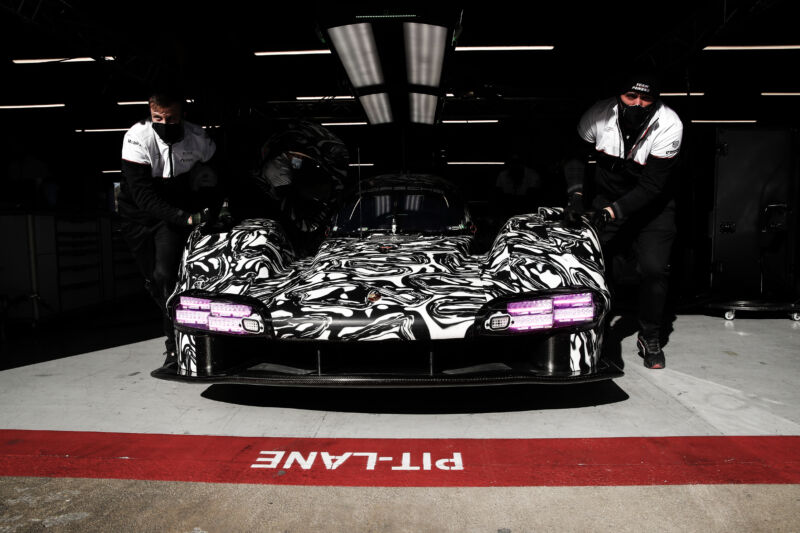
(471, 121)
(756, 47)
(101, 130)
(31, 106)
(292, 53)
(355, 45)
(780, 94)
(324, 98)
(145, 102)
(425, 44)
(503, 48)
(683, 94)
(344, 123)
(724, 121)
(385, 16)
(361, 165)
(112, 171)
(423, 107)
(59, 60)
(377, 108)
(475, 163)
(134, 102)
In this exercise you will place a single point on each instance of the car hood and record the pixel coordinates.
(392, 255)
(396, 277)
(405, 267)
(385, 286)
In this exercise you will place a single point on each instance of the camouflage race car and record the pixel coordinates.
(394, 296)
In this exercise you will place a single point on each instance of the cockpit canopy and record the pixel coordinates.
(390, 204)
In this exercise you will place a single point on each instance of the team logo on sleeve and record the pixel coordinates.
(675, 145)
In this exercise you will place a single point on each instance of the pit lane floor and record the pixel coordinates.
(631, 455)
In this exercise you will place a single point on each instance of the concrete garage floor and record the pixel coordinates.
(723, 378)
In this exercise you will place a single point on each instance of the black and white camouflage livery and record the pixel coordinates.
(420, 288)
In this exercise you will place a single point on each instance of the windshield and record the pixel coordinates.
(401, 211)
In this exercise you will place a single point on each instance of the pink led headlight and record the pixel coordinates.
(526, 322)
(224, 317)
(191, 317)
(225, 324)
(573, 314)
(530, 307)
(573, 300)
(545, 313)
(234, 310)
(190, 302)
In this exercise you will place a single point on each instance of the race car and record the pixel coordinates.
(395, 296)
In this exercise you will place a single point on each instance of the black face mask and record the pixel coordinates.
(169, 133)
(633, 118)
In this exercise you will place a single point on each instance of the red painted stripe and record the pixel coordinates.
(486, 462)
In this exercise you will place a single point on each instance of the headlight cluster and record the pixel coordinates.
(218, 315)
(543, 313)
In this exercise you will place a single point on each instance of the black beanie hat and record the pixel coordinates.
(642, 84)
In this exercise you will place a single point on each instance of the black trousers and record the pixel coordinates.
(158, 250)
(649, 236)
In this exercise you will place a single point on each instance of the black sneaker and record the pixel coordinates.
(650, 350)
(170, 361)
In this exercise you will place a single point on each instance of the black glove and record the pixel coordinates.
(222, 224)
(574, 210)
(600, 218)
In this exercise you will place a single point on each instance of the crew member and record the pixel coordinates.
(635, 139)
(167, 176)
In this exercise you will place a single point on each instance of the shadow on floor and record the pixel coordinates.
(622, 322)
(448, 400)
(126, 321)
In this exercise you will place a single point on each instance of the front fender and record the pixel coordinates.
(230, 262)
(538, 251)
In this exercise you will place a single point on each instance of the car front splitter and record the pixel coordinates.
(244, 377)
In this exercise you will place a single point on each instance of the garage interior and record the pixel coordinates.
(79, 334)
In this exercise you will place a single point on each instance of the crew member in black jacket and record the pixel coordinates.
(167, 175)
(635, 139)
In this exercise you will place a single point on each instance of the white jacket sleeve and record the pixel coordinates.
(587, 125)
(668, 142)
(134, 151)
